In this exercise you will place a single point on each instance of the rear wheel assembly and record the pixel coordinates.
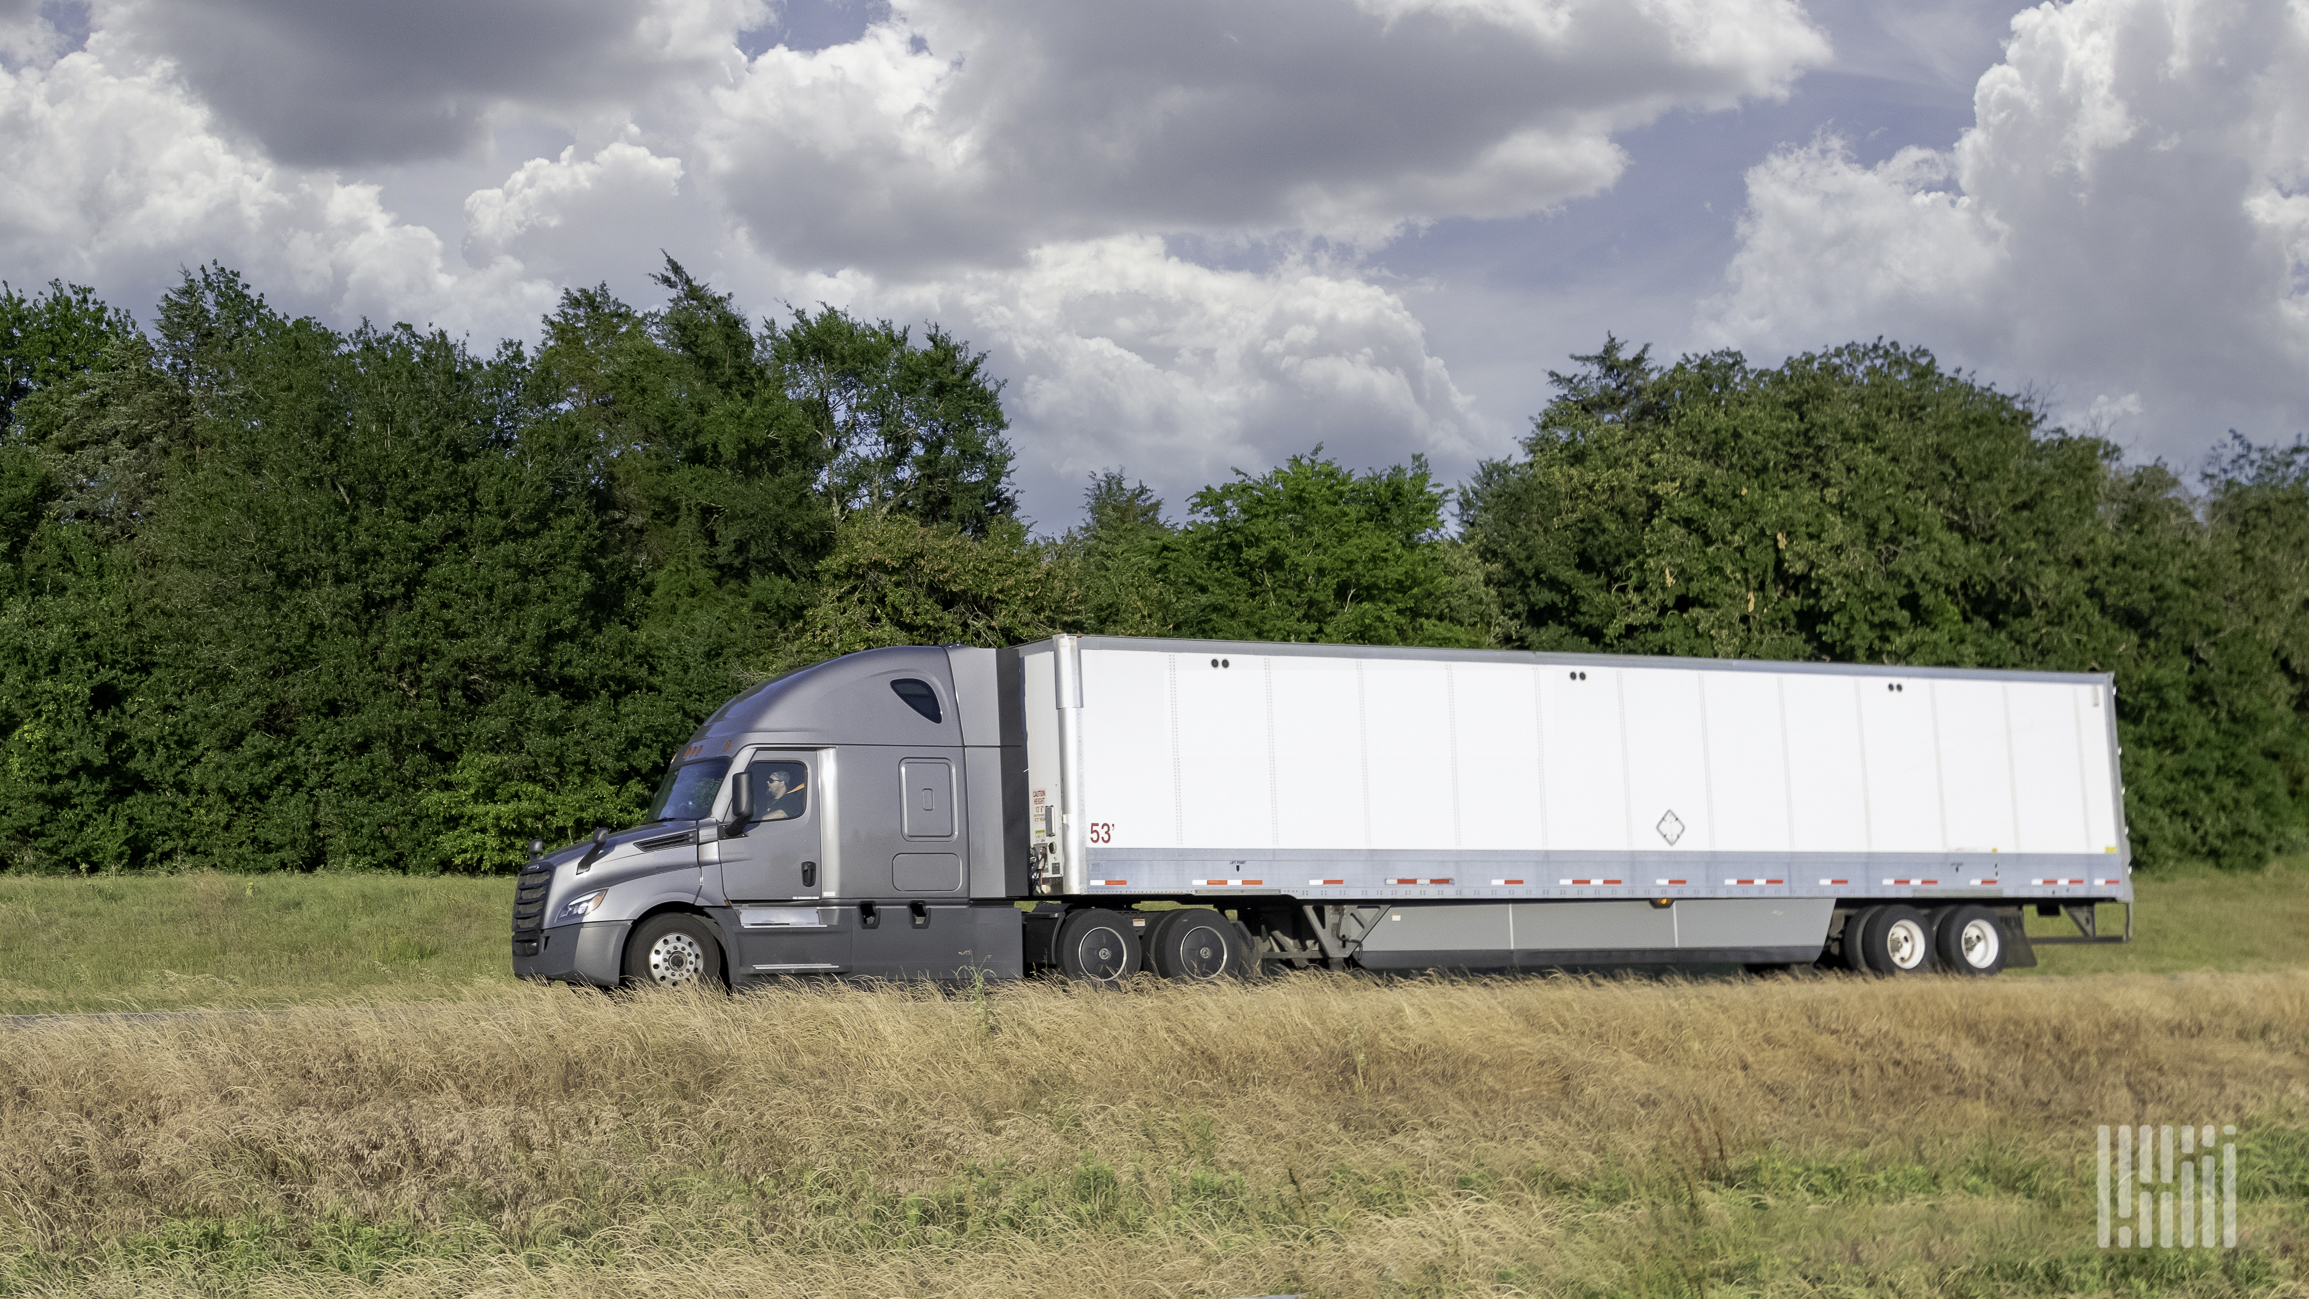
(1196, 945)
(1098, 947)
(1897, 939)
(1969, 940)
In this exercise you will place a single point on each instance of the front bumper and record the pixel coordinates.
(591, 953)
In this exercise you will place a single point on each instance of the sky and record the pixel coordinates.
(1197, 237)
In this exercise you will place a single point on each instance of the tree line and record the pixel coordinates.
(280, 597)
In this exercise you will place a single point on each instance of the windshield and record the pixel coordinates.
(688, 791)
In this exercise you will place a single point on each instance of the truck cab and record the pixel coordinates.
(845, 819)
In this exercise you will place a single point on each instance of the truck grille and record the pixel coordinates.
(529, 907)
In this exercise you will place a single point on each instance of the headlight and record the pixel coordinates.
(578, 908)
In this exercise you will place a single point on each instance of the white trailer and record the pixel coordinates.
(1414, 807)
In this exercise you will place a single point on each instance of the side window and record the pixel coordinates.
(919, 697)
(781, 790)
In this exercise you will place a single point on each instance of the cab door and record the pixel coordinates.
(772, 872)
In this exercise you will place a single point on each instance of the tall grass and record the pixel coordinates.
(1324, 1134)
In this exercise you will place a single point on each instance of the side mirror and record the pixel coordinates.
(536, 848)
(741, 804)
(585, 863)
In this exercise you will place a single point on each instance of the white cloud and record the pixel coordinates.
(1127, 354)
(2123, 224)
(110, 172)
(1019, 170)
(341, 84)
(967, 133)
(556, 216)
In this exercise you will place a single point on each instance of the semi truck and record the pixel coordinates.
(1103, 807)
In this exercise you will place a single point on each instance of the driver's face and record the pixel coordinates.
(777, 786)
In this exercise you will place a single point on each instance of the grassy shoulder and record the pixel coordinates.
(175, 941)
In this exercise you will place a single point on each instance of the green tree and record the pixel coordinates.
(909, 429)
(1312, 551)
(48, 339)
(893, 580)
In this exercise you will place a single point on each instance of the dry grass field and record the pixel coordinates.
(1328, 1135)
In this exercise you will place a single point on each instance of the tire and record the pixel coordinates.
(1196, 945)
(1098, 947)
(1855, 948)
(1969, 940)
(1898, 940)
(673, 950)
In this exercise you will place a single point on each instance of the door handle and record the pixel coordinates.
(809, 874)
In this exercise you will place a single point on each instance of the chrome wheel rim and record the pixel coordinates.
(1904, 944)
(676, 959)
(1202, 952)
(1102, 954)
(1980, 944)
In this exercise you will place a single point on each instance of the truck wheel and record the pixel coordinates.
(1897, 940)
(1855, 950)
(672, 951)
(1969, 940)
(1196, 945)
(1097, 947)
